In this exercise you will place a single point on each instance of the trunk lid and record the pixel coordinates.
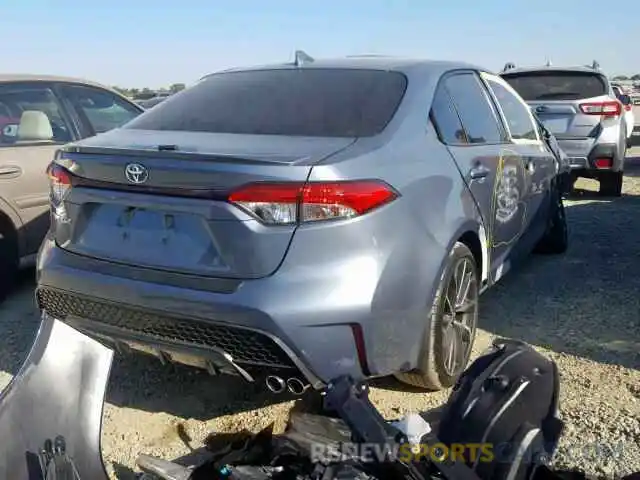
(178, 218)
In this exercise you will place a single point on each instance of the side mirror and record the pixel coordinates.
(625, 99)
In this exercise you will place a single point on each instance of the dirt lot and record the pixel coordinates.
(582, 309)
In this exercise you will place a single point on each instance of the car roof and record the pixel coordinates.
(28, 77)
(368, 62)
(553, 68)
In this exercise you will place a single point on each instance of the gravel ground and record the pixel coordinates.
(582, 309)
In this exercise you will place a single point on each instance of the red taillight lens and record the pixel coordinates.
(59, 183)
(606, 109)
(604, 162)
(289, 203)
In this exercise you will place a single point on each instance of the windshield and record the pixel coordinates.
(295, 102)
(555, 85)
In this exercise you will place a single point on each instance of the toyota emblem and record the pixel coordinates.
(136, 173)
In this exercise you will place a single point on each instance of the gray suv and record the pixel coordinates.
(293, 223)
(579, 107)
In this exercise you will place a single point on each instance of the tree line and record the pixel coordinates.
(146, 93)
(635, 77)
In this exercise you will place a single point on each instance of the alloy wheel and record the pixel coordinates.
(459, 316)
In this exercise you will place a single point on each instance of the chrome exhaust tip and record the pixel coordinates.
(297, 386)
(275, 384)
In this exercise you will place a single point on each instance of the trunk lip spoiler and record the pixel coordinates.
(69, 150)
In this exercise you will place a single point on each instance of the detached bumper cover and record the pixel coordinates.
(37, 406)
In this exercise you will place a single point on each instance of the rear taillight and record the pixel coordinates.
(59, 184)
(605, 109)
(290, 203)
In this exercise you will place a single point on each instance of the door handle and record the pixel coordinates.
(10, 171)
(478, 172)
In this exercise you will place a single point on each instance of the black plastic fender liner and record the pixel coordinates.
(59, 391)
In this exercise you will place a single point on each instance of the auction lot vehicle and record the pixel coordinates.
(38, 114)
(151, 102)
(578, 106)
(304, 220)
(629, 117)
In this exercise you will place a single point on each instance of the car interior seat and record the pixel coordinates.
(34, 126)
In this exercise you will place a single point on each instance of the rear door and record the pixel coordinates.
(468, 123)
(23, 161)
(567, 103)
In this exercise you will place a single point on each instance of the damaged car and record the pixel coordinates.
(301, 221)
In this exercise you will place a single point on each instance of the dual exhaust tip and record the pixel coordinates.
(294, 385)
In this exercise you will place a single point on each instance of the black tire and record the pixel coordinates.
(8, 260)
(611, 184)
(434, 371)
(555, 240)
(567, 182)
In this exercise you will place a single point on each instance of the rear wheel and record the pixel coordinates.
(451, 326)
(8, 259)
(611, 184)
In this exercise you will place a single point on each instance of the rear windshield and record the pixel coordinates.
(557, 85)
(297, 102)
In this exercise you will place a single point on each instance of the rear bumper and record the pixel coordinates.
(215, 347)
(307, 319)
(582, 154)
(182, 325)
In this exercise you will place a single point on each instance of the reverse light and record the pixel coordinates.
(605, 109)
(299, 202)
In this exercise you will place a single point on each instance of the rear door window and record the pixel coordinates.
(557, 85)
(446, 120)
(31, 114)
(310, 102)
(103, 110)
(516, 113)
(476, 111)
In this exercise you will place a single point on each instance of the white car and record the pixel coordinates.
(628, 110)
